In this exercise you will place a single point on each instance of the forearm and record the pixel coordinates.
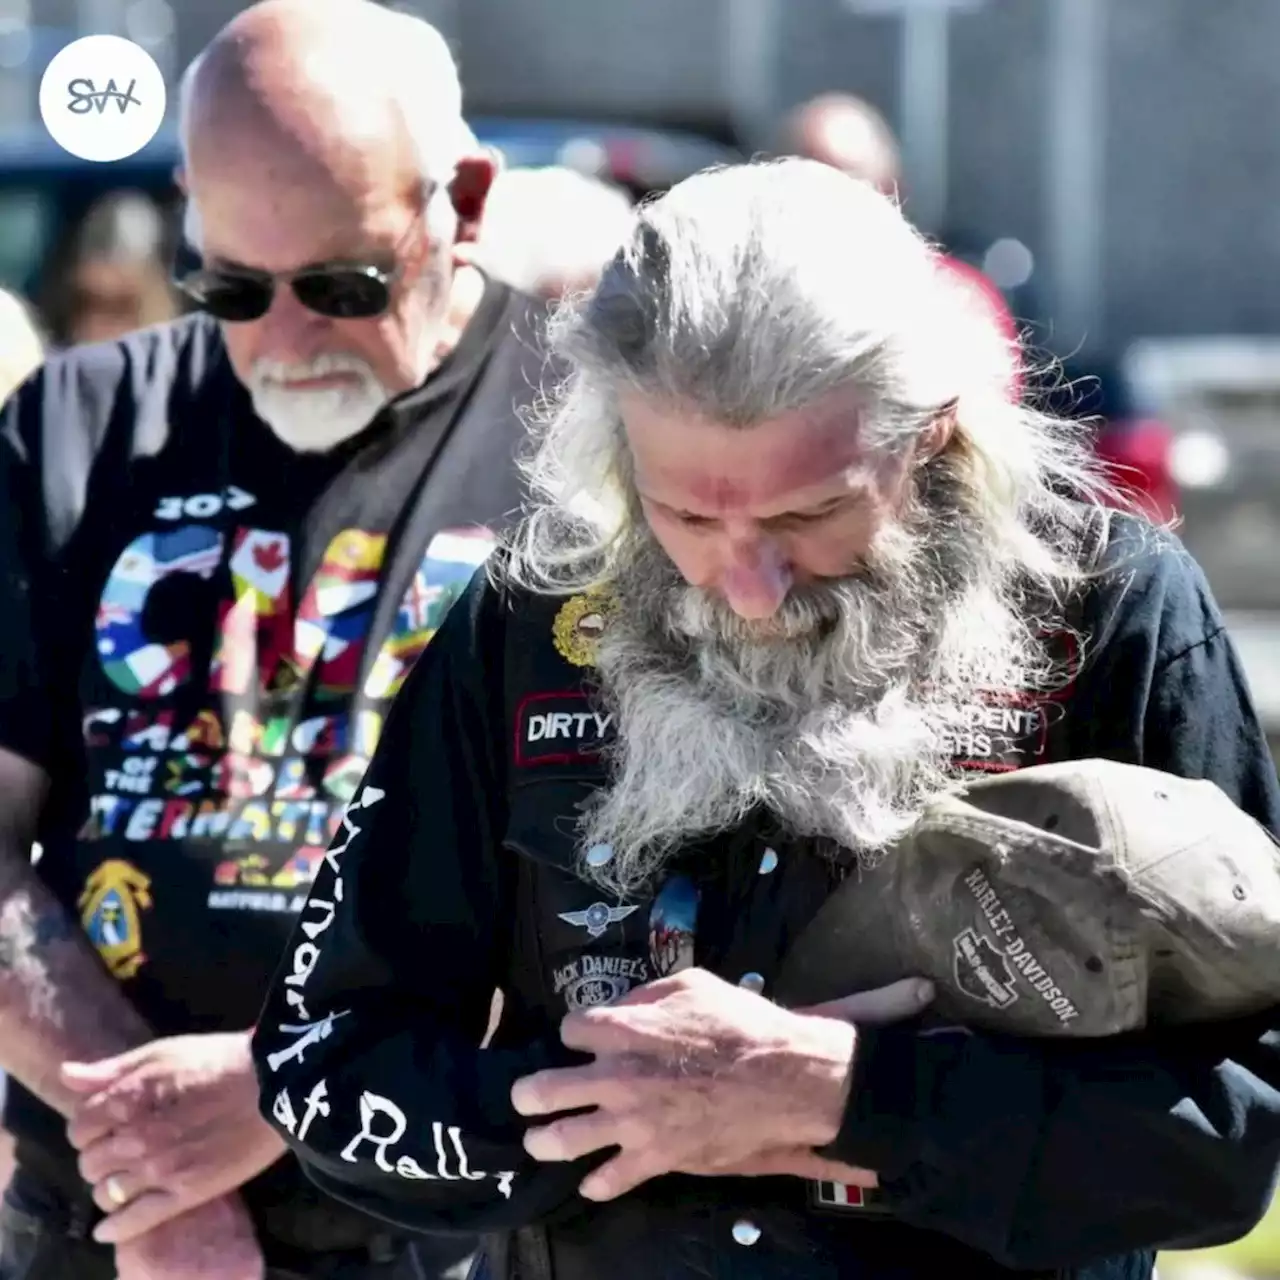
(1053, 1154)
(415, 1125)
(57, 1002)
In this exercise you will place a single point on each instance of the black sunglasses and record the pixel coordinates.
(339, 290)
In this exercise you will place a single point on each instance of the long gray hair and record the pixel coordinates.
(744, 294)
(750, 291)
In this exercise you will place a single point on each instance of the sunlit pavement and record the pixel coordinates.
(1256, 1257)
(1201, 1270)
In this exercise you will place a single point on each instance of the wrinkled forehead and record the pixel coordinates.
(685, 459)
(263, 200)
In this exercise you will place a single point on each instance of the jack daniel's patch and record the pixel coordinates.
(560, 728)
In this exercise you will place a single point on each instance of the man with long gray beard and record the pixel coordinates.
(226, 540)
(797, 568)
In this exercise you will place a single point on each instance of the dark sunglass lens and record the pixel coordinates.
(235, 299)
(343, 295)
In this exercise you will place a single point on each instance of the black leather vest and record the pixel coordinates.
(729, 905)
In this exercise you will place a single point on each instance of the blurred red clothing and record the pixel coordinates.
(992, 301)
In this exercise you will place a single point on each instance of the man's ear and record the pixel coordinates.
(469, 190)
(937, 434)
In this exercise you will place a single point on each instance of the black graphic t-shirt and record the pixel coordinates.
(212, 629)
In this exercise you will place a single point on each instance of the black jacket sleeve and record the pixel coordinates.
(38, 714)
(1053, 1154)
(368, 1048)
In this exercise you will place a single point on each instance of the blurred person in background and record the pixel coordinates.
(21, 350)
(113, 276)
(226, 539)
(849, 134)
(550, 231)
(21, 343)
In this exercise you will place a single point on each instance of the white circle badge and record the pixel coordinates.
(102, 98)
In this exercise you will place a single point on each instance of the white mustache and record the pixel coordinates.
(840, 729)
(323, 366)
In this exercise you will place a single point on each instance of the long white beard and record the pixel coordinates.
(834, 718)
(320, 420)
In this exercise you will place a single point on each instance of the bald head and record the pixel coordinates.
(321, 132)
(330, 85)
(848, 134)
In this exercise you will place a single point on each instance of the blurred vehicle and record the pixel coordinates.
(1133, 440)
(641, 160)
(45, 192)
(1135, 443)
(1221, 400)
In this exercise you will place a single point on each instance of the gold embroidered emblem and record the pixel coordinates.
(110, 906)
(579, 626)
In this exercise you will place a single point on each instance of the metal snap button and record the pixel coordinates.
(599, 854)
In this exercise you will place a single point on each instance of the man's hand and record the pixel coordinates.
(693, 1075)
(167, 1127)
(213, 1242)
(893, 1003)
(798, 1162)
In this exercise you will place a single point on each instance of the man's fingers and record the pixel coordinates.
(134, 1114)
(800, 1163)
(148, 1211)
(84, 1130)
(113, 1107)
(103, 1114)
(102, 1071)
(107, 1154)
(623, 1173)
(834, 1171)
(899, 1000)
(572, 1138)
(89, 1077)
(114, 1191)
(602, 1030)
(564, 1089)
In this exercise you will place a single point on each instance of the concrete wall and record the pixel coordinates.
(1187, 95)
(1173, 227)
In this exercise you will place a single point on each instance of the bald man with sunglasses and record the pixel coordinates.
(224, 542)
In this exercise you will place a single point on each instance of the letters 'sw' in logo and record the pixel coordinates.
(86, 96)
(85, 81)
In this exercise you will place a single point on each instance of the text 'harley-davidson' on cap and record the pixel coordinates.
(1077, 899)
